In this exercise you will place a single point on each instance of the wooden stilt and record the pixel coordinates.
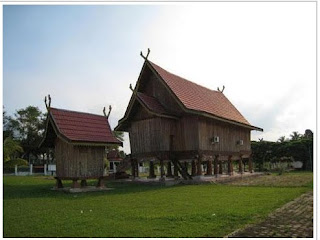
(199, 167)
(101, 183)
(209, 168)
(240, 165)
(169, 171)
(133, 168)
(250, 165)
(162, 174)
(186, 166)
(151, 170)
(220, 167)
(216, 165)
(75, 184)
(230, 170)
(59, 183)
(175, 171)
(231, 166)
(83, 183)
(137, 167)
(193, 168)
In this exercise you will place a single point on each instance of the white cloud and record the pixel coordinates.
(264, 53)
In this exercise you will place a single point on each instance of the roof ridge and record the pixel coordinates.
(185, 78)
(67, 110)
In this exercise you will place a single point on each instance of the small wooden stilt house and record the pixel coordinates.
(174, 122)
(79, 140)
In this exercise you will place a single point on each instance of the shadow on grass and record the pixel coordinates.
(43, 190)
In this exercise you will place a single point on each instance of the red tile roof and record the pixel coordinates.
(199, 98)
(151, 103)
(83, 127)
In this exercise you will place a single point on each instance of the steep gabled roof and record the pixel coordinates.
(191, 97)
(80, 128)
(199, 98)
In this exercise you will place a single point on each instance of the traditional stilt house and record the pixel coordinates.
(79, 140)
(173, 121)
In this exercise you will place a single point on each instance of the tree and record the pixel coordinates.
(282, 139)
(11, 149)
(29, 124)
(295, 136)
(7, 130)
(119, 135)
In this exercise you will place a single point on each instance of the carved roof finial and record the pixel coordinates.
(45, 102)
(145, 58)
(110, 108)
(104, 111)
(221, 90)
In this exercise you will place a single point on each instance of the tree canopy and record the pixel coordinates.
(300, 148)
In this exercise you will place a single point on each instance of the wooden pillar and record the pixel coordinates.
(193, 168)
(133, 168)
(161, 169)
(209, 168)
(186, 166)
(230, 170)
(175, 171)
(137, 167)
(199, 168)
(231, 166)
(216, 157)
(250, 164)
(83, 183)
(220, 167)
(169, 171)
(100, 183)
(75, 184)
(151, 170)
(59, 183)
(240, 165)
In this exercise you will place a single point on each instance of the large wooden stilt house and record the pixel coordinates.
(173, 121)
(79, 140)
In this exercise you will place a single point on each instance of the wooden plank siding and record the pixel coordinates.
(153, 87)
(153, 135)
(229, 136)
(150, 135)
(78, 161)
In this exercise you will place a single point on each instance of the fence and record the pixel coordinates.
(46, 169)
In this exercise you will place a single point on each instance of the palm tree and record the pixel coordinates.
(282, 139)
(10, 150)
(295, 136)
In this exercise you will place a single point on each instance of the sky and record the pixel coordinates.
(85, 56)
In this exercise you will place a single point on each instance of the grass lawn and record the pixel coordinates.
(31, 209)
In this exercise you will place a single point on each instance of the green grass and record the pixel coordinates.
(31, 209)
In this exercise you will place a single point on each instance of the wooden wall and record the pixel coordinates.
(152, 135)
(152, 86)
(78, 161)
(228, 134)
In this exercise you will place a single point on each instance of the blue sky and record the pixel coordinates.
(86, 56)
